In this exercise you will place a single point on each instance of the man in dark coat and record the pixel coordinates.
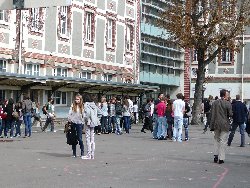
(221, 110)
(239, 119)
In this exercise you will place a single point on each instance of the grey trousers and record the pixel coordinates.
(220, 138)
(90, 140)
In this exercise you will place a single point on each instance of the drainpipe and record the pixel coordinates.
(20, 42)
(242, 68)
(190, 74)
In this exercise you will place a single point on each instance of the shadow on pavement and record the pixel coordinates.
(55, 154)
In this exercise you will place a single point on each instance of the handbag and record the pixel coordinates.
(70, 134)
(15, 115)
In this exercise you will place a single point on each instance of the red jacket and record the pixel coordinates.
(2, 115)
(161, 109)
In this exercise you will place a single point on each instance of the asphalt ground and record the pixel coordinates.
(132, 160)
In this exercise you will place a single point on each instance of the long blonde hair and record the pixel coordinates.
(80, 105)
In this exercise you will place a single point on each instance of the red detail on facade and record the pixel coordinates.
(187, 74)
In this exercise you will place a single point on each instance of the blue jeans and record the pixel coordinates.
(18, 125)
(118, 124)
(185, 124)
(155, 130)
(242, 133)
(177, 133)
(104, 124)
(27, 122)
(78, 129)
(162, 126)
(126, 123)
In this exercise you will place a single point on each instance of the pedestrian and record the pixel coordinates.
(90, 121)
(239, 120)
(126, 115)
(161, 119)
(178, 108)
(155, 116)
(76, 118)
(27, 113)
(104, 118)
(37, 116)
(186, 119)
(118, 115)
(19, 119)
(112, 118)
(2, 120)
(50, 113)
(221, 110)
(207, 108)
(170, 119)
(136, 113)
(148, 117)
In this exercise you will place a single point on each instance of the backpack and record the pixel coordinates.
(118, 109)
(71, 137)
(45, 107)
(28, 106)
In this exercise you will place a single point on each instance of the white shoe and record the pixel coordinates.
(86, 157)
(54, 131)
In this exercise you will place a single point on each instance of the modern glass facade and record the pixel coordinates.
(162, 61)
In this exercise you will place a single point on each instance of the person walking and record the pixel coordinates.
(50, 113)
(136, 112)
(27, 113)
(19, 119)
(178, 108)
(90, 121)
(221, 110)
(76, 118)
(239, 120)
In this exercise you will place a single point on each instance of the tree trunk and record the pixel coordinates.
(196, 109)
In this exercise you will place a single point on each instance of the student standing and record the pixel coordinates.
(76, 118)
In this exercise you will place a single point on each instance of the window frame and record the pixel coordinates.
(226, 56)
(34, 69)
(3, 65)
(35, 19)
(89, 27)
(61, 97)
(106, 77)
(63, 72)
(88, 75)
(5, 17)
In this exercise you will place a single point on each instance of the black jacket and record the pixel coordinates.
(239, 112)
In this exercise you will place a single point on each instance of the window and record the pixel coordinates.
(226, 55)
(63, 20)
(89, 27)
(129, 37)
(3, 16)
(3, 65)
(60, 97)
(107, 77)
(2, 94)
(32, 69)
(110, 33)
(85, 75)
(195, 55)
(62, 72)
(35, 19)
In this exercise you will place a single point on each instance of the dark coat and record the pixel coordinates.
(239, 112)
(221, 110)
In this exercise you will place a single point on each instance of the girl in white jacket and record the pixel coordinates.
(90, 121)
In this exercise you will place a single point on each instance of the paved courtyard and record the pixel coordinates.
(132, 160)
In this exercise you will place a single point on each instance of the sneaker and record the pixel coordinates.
(54, 131)
(221, 161)
(1, 136)
(73, 156)
(11, 137)
(99, 133)
(86, 157)
(215, 158)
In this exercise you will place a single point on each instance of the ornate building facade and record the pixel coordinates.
(91, 46)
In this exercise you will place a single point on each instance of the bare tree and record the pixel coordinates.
(208, 27)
